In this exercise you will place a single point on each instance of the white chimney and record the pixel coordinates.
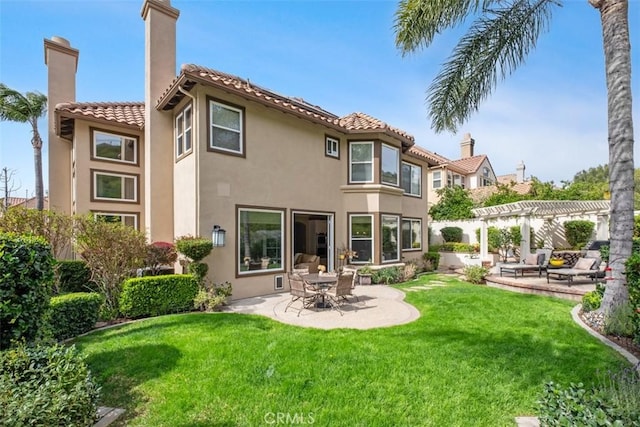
(520, 172)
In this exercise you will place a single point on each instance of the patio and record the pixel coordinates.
(532, 284)
(378, 306)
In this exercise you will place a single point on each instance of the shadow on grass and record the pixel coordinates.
(119, 373)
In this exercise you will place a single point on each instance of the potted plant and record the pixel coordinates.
(364, 275)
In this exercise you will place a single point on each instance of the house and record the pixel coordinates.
(208, 149)
(21, 202)
(469, 171)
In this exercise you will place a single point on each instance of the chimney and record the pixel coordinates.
(160, 69)
(466, 146)
(62, 63)
(520, 172)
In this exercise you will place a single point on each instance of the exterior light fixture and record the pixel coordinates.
(218, 236)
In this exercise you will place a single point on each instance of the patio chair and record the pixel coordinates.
(533, 262)
(586, 267)
(300, 291)
(338, 294)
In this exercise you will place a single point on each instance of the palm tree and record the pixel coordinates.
(27, 108)
(497, 42)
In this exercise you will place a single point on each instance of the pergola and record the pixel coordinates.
(546, 209)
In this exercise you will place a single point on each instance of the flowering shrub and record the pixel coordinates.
(160, 254)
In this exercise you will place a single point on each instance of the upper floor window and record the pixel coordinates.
(411, 179)
(390, 165)
(226, 130)
(486, 180)
(130, 220)
(361, 162)
(332, 147)
(113, 147)
(114, 186)
(183, 131)
(437, 179)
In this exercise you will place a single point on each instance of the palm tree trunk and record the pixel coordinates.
(36, 142)
(617, 53)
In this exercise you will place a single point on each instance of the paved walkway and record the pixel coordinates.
(379, 306)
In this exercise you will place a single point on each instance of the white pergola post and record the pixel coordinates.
(602, 227)
(525, 231)
(484, 244)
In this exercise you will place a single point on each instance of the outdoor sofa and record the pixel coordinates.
(533, 262)
(585, 267)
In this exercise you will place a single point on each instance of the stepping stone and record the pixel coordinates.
(107, 416)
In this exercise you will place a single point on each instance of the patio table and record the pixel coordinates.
(322, 283)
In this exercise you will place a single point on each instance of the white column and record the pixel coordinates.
(602, 227)
(484, 244)
(525, 231)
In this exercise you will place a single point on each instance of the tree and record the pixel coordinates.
(27, 108)
(7, 186)
(496, 44)
(455, 203)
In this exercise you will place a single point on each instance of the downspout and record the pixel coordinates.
(196, 151)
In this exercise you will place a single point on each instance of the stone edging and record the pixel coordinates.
(630, 357)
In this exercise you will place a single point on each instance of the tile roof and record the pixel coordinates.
(125, 113)
(506, 179)
(361, 121)
(12, 201)
(470, 164)
(482, 193)
(430, 156)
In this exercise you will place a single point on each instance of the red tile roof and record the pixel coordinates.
(124, 113)
(470, 164)
(364, 122)
(430, 156)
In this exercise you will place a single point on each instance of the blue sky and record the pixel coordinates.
(339, 55)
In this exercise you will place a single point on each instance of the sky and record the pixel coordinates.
(341, 55)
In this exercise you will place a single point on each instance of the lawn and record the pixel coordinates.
(477, 356)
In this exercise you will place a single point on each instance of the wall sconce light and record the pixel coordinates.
(218, 236)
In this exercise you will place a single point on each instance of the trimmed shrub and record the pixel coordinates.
(199, 270)
(73, 314)
(196, 248)
(578, 232)
(160, 254)
(431, 260)
(451, 234)
(591, 301)
(46, 386)
(74, 276)
(156, 295)
(26, 269)
(457, 247)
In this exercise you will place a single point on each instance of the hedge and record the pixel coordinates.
(74, 276)
(451, 234)
(156, 295)
(74, 314)
(26, 269)
(46, 386)
(578, 232)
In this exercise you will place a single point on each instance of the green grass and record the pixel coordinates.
(476, 357)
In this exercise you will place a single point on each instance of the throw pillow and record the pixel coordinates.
(531, 259)
(584, 264)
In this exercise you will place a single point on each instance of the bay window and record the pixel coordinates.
(411, 179)
(389, 165)
(390, 237)
(361, 162)
(361, 237)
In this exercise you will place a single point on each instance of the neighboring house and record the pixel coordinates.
(516, 181)
(22, 202)
(470, 171)
(206, 148)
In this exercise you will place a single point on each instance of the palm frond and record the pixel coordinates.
(495, 45)
(17, 107)
(418, 21)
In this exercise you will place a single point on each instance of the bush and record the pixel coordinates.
(409, 272)
(160, 254)
(387, 275)
(475, 273)
(73, 314)
(196, 248)
(431, 260)
(199, 270)
(619, 321)
(591, 301)
(451, 234)
(74, 276)
(26, 269)
(572, 407)
(46, 386)
(455, 247)
(632, 270)
(156, 295)
(578, 232)
(210, 297)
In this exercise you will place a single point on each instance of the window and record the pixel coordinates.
(390, 165)
(114, 187)
(332, 147)
(114, 148)
(437, 179)
(486, 180)
(411, 234)
(361, 232)
(130, 220)
(260, 240)
(411, 179)
(361, 164)
(455, 179)
(183, 131)
(390, 238)
(226, 131)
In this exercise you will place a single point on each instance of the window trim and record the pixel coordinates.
(373, 236)
(398, 163)
(240, 109)
(327, 152)
(135, 215)
(398, 237)
(411, 221)
(412, 166)
(439, 180)
(185, 152)
(94, 186)
(283, 249)
(351, 144)
(95, 157)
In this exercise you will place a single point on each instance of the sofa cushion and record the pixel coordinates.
(531, 259)
(584, 264)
